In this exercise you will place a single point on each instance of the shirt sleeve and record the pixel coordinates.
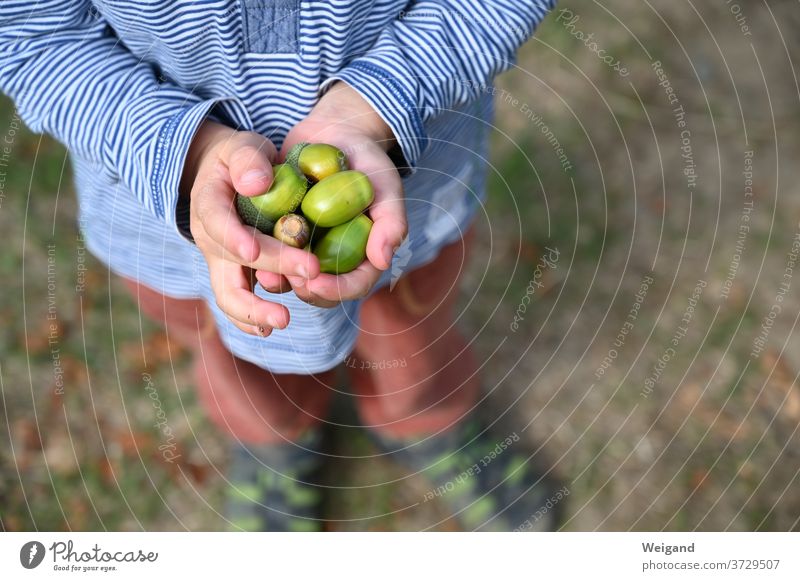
(69, 76)
(437, 55)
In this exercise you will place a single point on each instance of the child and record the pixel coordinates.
(169, 107)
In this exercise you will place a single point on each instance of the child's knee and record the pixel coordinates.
(413, 382)
(184, 319)
(253, 404)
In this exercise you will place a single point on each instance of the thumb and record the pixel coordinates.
(390, 226)
(249, 160)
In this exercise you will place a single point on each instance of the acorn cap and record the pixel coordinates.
(293, 157)
(293, 230)
(251, 216)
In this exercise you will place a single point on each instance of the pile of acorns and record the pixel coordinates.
(315, 202)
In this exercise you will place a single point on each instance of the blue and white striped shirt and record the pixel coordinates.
(125, 84)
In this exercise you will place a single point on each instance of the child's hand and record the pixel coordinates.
(220, 162)
(342, 118)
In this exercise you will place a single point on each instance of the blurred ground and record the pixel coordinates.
(690, 423)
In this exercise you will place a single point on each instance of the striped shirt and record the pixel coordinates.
(124, 85)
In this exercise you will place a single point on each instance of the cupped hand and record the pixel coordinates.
(220, 163)
(344, 119)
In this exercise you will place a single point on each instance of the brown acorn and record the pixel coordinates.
(293, 230)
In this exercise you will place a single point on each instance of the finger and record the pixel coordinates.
(249, 157)
(213, 206)
(258, 331)
(273, 282)
(300, 288)
(275, 256)
(388, 215)
(388, 210)
(344, 287)
(233, 291)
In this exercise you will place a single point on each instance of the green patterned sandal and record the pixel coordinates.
(272, 487)
(488, 480)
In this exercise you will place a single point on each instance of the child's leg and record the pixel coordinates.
(184, 320)
(413, 372)
(242, 399)
(255, 405)
(274, 459)
(414, 410)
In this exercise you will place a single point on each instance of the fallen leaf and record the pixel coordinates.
(59, 453)
(199, 472)
(698, 479)
(133, 443)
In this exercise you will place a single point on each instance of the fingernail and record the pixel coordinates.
(274, 323)
(302, 270)
(388, 253)
(253, 176)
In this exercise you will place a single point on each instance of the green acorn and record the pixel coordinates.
(318, 161)
(338, 198)
(293, 157)
(251, 216)
(284, 196)
(342, 248)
